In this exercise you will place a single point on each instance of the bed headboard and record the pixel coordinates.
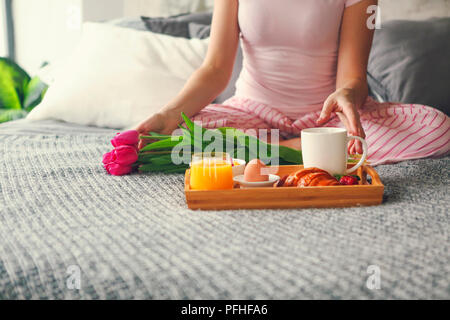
(390, 9)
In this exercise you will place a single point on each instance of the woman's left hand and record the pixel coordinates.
(343, 101)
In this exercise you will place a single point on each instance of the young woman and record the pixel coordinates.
(305, 64)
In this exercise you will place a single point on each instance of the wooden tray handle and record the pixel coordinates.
(373, 173)
(361, 172)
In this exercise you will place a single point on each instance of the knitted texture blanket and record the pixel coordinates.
(70, 231)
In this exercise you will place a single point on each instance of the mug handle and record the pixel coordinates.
(364, 156)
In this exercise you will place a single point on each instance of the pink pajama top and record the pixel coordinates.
(290, 52)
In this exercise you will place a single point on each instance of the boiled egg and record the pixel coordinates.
(253, 172)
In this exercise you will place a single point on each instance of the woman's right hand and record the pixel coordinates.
(162, 123)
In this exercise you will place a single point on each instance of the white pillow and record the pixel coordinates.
(118, 77)
(165, 8)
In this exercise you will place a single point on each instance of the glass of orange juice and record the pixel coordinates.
(211, 171)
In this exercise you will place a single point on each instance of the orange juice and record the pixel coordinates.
(211, 174)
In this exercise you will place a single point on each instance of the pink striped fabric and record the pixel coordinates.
(395, 132)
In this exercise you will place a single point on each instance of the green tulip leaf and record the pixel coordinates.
(156, 156)
(162, 144)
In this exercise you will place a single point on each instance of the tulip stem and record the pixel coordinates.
(154, 152)
(155, 137)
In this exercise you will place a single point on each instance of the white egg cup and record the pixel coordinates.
(240, 168)
(251, 185)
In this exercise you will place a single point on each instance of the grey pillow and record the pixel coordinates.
(202, 31)
(129, 23)
(176, 26)
(410, 63)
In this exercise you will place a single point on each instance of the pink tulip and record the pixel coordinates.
(119, 161)
(109, 157)
(116, 169)
(125, 155)
(127, 138)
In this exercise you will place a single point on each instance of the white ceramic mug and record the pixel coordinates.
(326, 149)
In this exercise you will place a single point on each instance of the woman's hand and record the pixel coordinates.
(162, 123)
(351, 80)
(343, 101)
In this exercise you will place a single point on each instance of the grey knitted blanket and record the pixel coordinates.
(68, 230)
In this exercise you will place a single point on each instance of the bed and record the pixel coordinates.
(134, 238)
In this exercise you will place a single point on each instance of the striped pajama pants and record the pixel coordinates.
(395, 132)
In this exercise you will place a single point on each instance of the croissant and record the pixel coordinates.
(310, 177)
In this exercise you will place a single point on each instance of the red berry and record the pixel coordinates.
(348, 181)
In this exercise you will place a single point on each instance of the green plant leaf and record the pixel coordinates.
(13, 83)
(34, 93)
(158, 160)
(188, 122)
(156, 156)
(156, 136)
(11, 114)
(191, 125)
(167, 143)
(290, 155)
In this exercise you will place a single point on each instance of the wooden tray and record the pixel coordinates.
(364, 194)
